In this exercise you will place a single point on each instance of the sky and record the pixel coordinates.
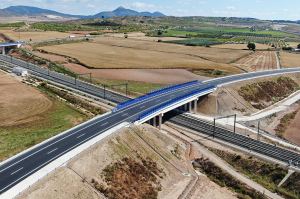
(261, 9)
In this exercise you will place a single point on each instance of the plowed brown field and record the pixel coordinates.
(258, 61)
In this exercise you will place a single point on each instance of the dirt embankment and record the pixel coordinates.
(263, 94)
(248, 97)
(137, 162)
(139, 152)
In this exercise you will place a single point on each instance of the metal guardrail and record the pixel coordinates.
(152, 94)
(170, 102)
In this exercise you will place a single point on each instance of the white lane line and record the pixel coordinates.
(142, 107)
(96, 122)
(32, 171)
(104, 124)
(80, 136)
(16, 171)
(125, 114)
(52, 151)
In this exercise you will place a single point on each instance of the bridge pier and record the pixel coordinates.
(195, 106)
(3, 50)
(190, 107)
(160, 120)
(154, 122)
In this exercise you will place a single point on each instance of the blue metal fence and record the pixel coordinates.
(170, 102)
(152, 94)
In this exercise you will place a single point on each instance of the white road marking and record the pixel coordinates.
(52, 151)
(104, 124)
(80, 136)
(16, 171)
(125, 114)
(142, 107)
(96, 122)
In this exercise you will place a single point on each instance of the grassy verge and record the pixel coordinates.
(30, 57)
(59, 118)
(211, 72)
(135, 88)
(72, 99)
(268, 175)
(225, 180)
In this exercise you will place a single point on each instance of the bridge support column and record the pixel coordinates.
(3, 50)
(154, 121)
(190, 107)
(186, 107)
(195, 106)
(160, 120)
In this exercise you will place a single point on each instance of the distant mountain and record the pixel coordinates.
(122, 12)
(33, 11)
(29, 11)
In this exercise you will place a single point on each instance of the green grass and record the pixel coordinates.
(135, 88)
(198, 42)
(266, 174)
(12, 25)
(59, 118)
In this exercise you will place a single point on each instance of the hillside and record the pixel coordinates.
(121, 11)
(29, 11)
(32, 11)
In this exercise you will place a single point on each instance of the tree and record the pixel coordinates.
(251, 46)
(298, 46)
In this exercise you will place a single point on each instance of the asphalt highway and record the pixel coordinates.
(16, 170)
(24, 165)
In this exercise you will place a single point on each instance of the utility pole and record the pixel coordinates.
(258, 130)
(214, 127)
(104, 92)
(234, 125)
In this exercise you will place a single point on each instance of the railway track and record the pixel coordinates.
(286, 156)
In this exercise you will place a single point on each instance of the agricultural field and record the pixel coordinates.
(258, 61)
(289, 59)
(29, 116)
(34, 36)
(107, 52)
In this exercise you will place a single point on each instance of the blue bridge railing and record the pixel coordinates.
(152, 94)
(170, 102)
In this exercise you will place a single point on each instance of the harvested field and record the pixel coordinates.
(29, 116)
(289, 59)
(258, 61)
(22, 105)
(113, 56)
(158, 76)
(242, 46)
(211, 54)
(34, 36)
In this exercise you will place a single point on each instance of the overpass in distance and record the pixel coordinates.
(139, 110)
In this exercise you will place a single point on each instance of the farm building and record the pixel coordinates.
(20, 71)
